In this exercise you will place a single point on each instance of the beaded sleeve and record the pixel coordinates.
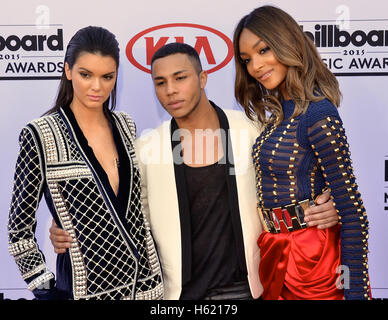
(27, 192)
(329, 143)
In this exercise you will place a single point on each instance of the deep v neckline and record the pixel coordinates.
(93, 155)
(120, 200)
(99, 163)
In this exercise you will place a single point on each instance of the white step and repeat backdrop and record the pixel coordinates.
(34, 35)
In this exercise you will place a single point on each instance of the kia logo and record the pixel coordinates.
(214, 48)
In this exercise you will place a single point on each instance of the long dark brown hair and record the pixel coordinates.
(91, 39)
(308, 79)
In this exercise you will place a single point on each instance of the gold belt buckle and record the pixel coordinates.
(294, 211)
(301, 208)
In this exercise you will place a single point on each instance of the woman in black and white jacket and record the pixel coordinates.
(81, 156)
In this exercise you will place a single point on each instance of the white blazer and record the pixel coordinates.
(160, 199)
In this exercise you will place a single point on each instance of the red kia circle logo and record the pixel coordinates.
(214, 48)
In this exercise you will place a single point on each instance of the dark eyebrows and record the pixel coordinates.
(110, 73)
(253, 47)
(107, 74)
(174, 74)
(257, 43)
(84, 69)
(178, 72)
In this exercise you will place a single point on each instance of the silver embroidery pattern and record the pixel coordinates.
(135, 214)
(149, 257)
(104, 263)
(21, 224)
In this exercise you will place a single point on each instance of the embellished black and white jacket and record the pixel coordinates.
(113, 255)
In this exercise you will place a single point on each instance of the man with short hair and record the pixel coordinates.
(198, 187)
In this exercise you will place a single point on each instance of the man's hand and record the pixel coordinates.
(323, 214)
(60, 239)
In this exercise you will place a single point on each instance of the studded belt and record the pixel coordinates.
(285, 219)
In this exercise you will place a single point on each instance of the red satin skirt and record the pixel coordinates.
(301, 265)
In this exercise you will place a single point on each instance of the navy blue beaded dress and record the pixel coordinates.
(294, 161)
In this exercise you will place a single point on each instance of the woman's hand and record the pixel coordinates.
(60, 239)
(323, 214)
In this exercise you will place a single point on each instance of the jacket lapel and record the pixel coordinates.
(183, 201)
(232, 189)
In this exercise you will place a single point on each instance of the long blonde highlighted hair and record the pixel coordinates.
(308, 79)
